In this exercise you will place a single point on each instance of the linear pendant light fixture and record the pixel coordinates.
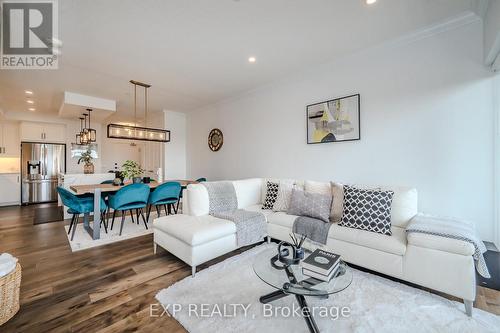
(128, 132)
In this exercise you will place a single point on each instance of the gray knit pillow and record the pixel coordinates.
(314, 205)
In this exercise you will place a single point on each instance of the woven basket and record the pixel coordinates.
(10, 285)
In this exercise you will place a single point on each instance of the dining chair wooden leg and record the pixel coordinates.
(165, 207)
(174, 208)
(158, 210)
(137, 215)
(177, 208)
(74, 226)
(113, 219)
(169, 206)
(71, 224)
(123, 222)
(132, 215)
(144, 219)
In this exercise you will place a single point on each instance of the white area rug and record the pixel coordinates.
(376, 305)
(84, 241)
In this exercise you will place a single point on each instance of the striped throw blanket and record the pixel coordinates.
(449, 228)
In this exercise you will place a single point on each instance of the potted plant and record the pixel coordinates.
(87, 158)
(132, 170)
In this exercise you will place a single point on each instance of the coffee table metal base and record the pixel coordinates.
(275, 295)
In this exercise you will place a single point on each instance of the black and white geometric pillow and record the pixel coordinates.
(367, 210)
(271, 195)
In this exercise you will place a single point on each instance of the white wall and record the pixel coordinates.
(426, 121)
(175, 150)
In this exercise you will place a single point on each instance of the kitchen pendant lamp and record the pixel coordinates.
(84, 133)
(134, 132)
(82, 145)
(90, 132)
(79, 135)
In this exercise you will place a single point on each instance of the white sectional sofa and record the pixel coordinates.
(441, 264)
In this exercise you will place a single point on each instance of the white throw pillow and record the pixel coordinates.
(318, 187)
(284, 194)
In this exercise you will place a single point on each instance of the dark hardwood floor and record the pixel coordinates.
(105, 289)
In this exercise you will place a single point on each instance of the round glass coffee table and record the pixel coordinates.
(289, 280)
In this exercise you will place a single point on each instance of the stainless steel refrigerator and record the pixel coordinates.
(42, 168)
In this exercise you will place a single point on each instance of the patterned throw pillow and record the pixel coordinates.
(284, 195)
(271, 195)
(367, 210)
(314, 205)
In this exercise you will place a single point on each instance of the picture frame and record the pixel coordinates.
(335, 120)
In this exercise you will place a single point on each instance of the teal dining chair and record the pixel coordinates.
(199, 180)
(107, 195)
(128, 198)
(166, 195)
(80, 205)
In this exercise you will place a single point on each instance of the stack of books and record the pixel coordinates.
(321, 265)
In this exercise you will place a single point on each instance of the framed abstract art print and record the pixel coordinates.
(335, 120)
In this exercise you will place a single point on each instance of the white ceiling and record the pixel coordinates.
(195, 52)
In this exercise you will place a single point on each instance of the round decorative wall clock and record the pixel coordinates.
(215, 139)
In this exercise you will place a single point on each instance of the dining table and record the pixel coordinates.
(97, 189)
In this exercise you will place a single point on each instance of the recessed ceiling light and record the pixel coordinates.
(252, 60)
(370, 2)
(28, 92)
(29, 101)
(32, 109)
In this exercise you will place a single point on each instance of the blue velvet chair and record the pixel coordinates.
(106, 195)
(128, 198)
(80, 205)
(199, 180)
(166, 195)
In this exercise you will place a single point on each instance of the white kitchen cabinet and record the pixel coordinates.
(9, 140)
(10, 189)
(32, 132)
(55, 132)
(43, 132)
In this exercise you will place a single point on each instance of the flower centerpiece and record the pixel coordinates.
(87, 158)
(132, 170)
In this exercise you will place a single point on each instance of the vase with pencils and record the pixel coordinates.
(297, 242)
